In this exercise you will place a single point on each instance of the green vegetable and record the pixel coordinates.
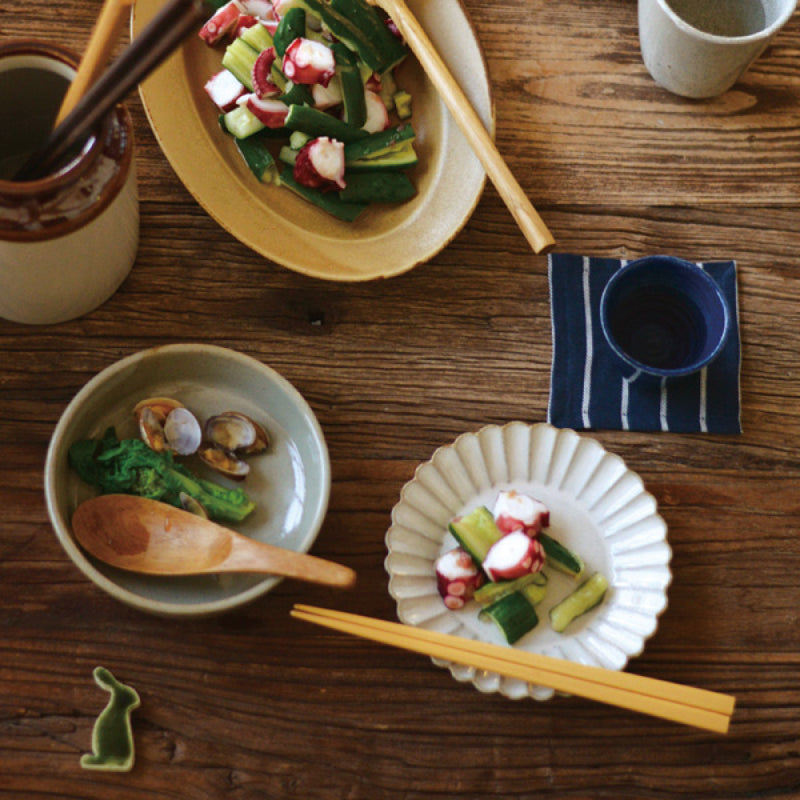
(378, 187)
(514, 614)
(379, 143)
(327, 201)
(317, 123)
(296, 94)
(402, 104)
(257, 36)
(292, 26)
(583, 599)
(368, 20)
(355, 107)
(240, 123)
(258, 157)
(345, 30)
(476, 532)
(239, 58)
(561, 557)
(493, 591)
(391, 149)
(129, 466)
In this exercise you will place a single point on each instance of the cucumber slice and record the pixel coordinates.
(317, 123)
(327, 201)
(367, 19)
(378, 144)
(355, 107)
(514, 614)
(239, 58)
(257, 36)
(292, 26)
(257, 157)
(402, 157)
(561, 557)
(476, 532)
(287, 155)
(241, 123)
(495, 590)
(346, 31)
(378, 187)
(402, 104)
(583, 599)
(296, 94)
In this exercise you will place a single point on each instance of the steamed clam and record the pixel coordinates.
(230, 437)
(166, 424)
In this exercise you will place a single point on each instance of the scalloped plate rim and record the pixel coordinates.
(449, 621)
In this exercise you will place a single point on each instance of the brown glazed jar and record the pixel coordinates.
(68, 240)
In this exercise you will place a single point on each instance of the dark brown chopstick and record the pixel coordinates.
(168, 28)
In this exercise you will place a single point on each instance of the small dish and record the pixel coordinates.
(385, 240)
(598, 507)
(290, 483)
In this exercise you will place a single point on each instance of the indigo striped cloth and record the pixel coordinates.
(589, 389)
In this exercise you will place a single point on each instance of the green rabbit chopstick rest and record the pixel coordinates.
(112, 737)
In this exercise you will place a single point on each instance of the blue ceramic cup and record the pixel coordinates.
(663, 316)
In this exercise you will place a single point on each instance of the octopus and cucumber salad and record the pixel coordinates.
(308, 93)
(501, 562)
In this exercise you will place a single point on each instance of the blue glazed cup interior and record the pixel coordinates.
(664, 316)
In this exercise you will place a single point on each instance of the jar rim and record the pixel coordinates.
(92, 147)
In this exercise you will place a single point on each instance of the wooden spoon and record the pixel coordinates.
(148, 536)
(526, 216)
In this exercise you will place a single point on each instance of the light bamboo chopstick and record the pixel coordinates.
(526, 216)
(684, 704)
(98, 51)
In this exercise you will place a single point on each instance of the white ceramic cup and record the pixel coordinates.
(68, 240)
(700, 48)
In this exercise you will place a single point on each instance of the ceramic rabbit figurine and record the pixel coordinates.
(112, 737)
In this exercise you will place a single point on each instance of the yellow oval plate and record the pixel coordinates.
(385, 240)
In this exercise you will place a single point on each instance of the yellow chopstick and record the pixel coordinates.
(675, 702)
(101, 44)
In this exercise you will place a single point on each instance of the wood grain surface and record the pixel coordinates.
(258, 706)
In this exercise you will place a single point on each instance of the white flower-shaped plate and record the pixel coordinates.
(598, 507)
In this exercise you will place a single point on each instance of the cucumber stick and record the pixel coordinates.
(239, 58)
(378, 187)
(240, 123)
(514, 614)
(379, 143)
(327, 201)
(257, 156)
(292, 26)
(367, 19)
(583, 599)
(257, 36)
(495, 590)
(476, 532)
(317, 123)
(560, 557)
(354, 103)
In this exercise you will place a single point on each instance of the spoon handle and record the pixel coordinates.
(250, 555)
(526, 216)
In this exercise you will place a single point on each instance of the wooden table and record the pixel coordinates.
(258, 705)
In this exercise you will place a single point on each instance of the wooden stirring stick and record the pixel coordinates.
(98, 51)
(472, 127)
